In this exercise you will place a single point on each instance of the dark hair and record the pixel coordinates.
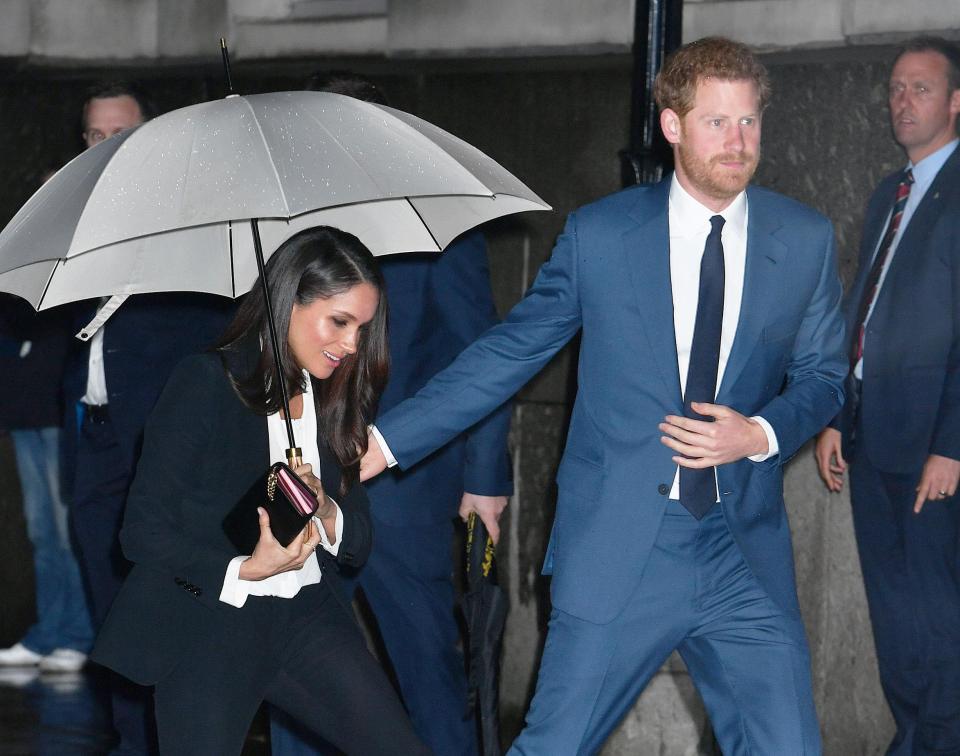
(349, 84)
(104, 90)
(948, 49)
(316, 264)
(708, 58)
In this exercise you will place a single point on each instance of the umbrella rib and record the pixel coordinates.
(273, 165)
(46, 286)
(409, 129)
(424, 224)
(339, 143)
(233, 276)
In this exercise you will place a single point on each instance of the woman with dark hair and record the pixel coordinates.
(218, 632)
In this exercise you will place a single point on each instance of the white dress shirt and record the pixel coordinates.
(924, 173)
(689, 224)
(96, 377)
(286, 584)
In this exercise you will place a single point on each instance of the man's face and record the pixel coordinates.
(923, 110)
(108, 116)
(716, 144)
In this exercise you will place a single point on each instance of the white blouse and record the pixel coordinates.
(286, 584)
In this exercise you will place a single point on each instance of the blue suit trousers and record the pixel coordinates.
(748, 659)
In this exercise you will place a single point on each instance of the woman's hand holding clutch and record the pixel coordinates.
(326, 508)
(270, 558)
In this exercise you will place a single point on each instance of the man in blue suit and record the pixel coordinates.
(899, 430)
(438, 305)
(712, 348)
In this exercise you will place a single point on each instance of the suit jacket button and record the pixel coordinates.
(663, 489)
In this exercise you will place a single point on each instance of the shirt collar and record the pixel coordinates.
(927, 169)
(690, 218)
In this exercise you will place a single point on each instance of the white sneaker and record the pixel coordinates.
(63, 660)
(19, 655)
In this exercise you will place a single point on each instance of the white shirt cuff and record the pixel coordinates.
(235, 591)
(773, 447)
(387, 454)
(332, 548)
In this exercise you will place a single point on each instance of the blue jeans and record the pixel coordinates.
(63, 620)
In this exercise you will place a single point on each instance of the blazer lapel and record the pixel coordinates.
(760, 287)
(927, 212)
(647, 250)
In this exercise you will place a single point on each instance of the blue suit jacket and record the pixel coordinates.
(910, 400)
(439, 304)
(610, 275)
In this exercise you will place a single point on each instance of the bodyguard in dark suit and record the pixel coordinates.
(899, 431)
(711, 351)
(110, 387)
(438, 305)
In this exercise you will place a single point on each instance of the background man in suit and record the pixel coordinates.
(111, 384)
(438, 305)
(670, 530)
(899, 430)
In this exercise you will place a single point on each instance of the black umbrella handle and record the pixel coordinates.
(224, 53)
(294, 454)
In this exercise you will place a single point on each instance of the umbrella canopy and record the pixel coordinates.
(485, 607)
(163, 207)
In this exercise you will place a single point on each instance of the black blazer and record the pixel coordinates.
(203, 449)
(910, 399)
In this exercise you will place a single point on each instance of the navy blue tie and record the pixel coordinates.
(698, 488)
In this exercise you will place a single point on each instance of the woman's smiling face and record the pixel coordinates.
(326, 331)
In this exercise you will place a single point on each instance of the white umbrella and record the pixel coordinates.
(180, 203)
(164, 207)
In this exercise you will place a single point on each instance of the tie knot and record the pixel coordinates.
(907, 177)
(716, 224)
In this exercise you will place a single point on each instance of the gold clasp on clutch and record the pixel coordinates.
(271, 485)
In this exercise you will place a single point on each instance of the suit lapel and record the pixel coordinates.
(928, 211)
(647, 251)
(760, 286)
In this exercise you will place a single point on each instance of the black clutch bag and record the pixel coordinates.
(287, 499)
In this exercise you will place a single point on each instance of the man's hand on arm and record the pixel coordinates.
(938, 480)
(487, 508)
(830, 461)
(700, 443)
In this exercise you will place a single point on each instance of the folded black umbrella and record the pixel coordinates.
(485, 606)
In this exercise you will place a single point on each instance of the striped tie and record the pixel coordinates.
(879, 263)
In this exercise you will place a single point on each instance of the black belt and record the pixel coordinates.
(96, 413)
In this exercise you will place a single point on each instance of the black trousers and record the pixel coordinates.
(103, 478)
(304, 655)
(912, 578)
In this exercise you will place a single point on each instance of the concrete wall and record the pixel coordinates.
(817, 23)
(92, 30)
